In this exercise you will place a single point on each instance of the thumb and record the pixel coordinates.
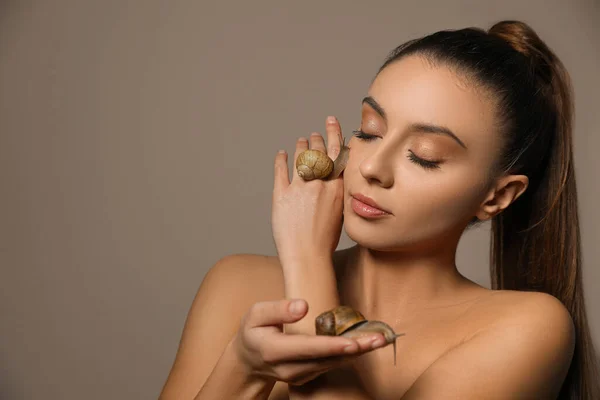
(279, 312)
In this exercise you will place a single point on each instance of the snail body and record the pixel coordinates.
(347, 322)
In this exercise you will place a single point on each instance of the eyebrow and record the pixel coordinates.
(417, 126)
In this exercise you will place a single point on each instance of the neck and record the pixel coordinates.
(400, 285)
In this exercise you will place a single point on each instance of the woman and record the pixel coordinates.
(458, 127)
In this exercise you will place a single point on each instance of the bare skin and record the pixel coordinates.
(431, 333)
(402, 270)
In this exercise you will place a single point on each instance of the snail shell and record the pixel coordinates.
(338, 320)
(313, 164)
(347, 322)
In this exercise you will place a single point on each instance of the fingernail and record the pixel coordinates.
(296, 307)
(378, 342)
(331, 119)
(365, 340)
(350, 348)
(281, 151)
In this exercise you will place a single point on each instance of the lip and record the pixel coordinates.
(366, 206)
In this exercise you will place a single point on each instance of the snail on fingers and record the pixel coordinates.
(347, 322)
(315, 164)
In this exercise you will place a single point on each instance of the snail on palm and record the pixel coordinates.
(315, 164)
(347, 322)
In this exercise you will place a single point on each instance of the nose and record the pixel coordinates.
(377, 168)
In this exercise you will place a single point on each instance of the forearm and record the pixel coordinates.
(230, 380)
(312, 279)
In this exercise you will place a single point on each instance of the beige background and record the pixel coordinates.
(136, 148)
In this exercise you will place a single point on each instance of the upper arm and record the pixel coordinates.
(526, 357)
(226, 293)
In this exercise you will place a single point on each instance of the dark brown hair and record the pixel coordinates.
(535, 244)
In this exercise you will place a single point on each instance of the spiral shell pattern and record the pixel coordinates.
(313, 164)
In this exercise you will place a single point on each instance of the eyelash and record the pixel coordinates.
(411, 156)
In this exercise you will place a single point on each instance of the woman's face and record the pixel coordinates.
(431, 183)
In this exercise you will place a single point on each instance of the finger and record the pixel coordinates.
(285, 347)
(334, 137)
(277, 312)
(281, 177)
(317, 142)
(301, 145)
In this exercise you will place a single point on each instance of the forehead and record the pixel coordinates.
(412, 90)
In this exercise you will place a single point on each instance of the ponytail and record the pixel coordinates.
(535, 244)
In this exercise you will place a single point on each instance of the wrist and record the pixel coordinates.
(233, 378)
(305, 259)
(251, 382)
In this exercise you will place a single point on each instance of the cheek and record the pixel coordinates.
(446, 199)
(438, 198)
(427, 203)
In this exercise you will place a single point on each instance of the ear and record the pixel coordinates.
(501, 195)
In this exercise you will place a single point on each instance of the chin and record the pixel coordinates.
(379, 234)
(391, 234)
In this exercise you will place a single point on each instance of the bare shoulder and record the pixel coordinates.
(227, 291)
(507, 307)
(522, 350)
(525, 304)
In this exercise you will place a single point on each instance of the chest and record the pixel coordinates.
(424, 343)
(374, 376)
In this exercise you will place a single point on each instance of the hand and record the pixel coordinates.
(307, 216)
(270, 354)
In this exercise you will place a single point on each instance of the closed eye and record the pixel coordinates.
(423, 163)
(364, 136)
(411, 156)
